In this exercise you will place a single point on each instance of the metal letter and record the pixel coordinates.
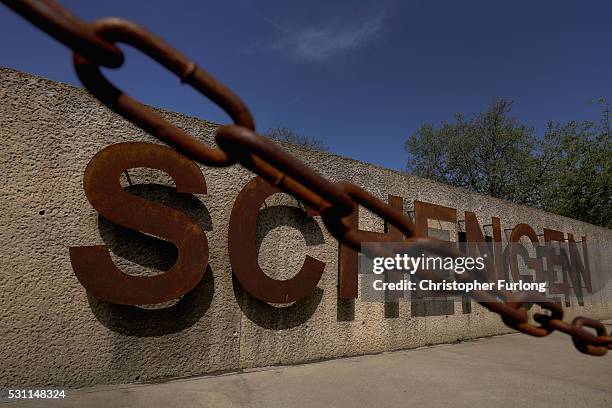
(93, 265)
(243, 251)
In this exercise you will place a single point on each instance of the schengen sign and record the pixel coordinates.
(552, 262)
(559, 269)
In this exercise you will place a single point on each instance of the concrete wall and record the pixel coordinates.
(53, 333)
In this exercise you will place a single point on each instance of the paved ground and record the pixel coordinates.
(504, 371)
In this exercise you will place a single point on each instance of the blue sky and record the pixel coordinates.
(360, 75)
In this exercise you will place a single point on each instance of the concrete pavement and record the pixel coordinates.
(504, 371)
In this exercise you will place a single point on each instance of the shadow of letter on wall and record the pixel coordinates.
(141, 254)
(281, 317)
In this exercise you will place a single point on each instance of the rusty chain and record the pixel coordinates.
(93, 45)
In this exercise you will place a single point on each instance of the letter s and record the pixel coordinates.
(93, 266)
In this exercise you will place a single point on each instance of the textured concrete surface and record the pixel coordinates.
(53, 333)
(503, 371)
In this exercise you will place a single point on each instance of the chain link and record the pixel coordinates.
(94, 45)
(119, 30)
(68, 29)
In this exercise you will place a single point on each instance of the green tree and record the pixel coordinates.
(491, 153)
(579, 181)
(567, 171)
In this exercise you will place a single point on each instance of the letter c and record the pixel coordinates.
(243, 251)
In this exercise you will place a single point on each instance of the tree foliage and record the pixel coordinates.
(579, 180)
(566, 171)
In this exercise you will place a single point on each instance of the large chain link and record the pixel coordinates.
(93, 45)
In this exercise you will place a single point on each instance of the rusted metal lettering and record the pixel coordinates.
(93, 265)
(243, 251)
(93, 45)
